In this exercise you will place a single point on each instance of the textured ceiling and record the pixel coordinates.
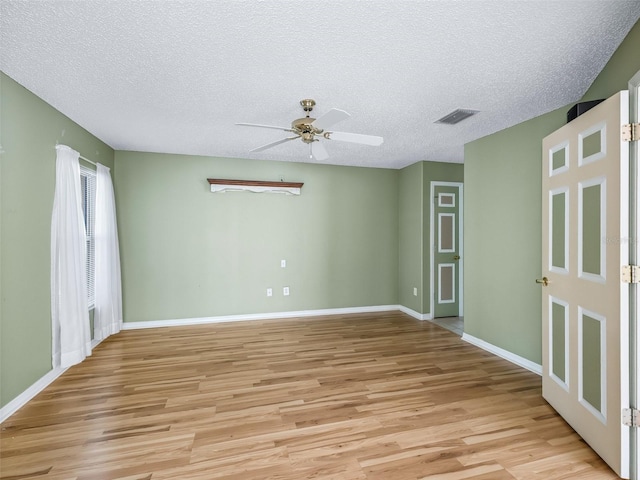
(175, 75)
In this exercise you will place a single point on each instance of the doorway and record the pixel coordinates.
(447, 253)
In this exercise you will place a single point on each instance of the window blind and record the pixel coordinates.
(88, 183)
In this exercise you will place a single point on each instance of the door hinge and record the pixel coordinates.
(630, 274)
(630, 132)
(629, 417)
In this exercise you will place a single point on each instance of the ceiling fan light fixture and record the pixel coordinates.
(456, 116)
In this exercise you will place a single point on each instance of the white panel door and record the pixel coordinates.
(585, 315)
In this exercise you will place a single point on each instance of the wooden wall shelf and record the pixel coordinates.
(220, 185)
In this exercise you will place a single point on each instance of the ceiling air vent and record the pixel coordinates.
(456, 116)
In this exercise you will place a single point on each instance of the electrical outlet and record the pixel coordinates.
(269, 292)
(285, 291)
(415, 291)
(283, 263)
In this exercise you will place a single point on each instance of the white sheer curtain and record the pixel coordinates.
(71, 334)
(108, 308)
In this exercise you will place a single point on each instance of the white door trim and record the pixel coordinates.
(602, 413)
(634, 258)
(602, 182)
(453, 236)
(432, 202)
(567, 225)
(564, 384)
(451, 266)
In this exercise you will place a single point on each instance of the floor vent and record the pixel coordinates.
(456, 116)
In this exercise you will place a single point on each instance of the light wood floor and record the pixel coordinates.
(375, 396)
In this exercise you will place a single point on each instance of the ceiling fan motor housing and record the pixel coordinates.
(304, 128)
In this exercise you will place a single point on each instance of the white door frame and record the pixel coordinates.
(432, 293)
(634, 259)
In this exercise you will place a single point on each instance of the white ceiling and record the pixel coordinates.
(174, 76)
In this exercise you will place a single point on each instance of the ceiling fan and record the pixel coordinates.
(313, 130)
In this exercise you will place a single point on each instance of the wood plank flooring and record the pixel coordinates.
(366, 396)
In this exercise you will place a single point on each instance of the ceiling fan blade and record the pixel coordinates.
(355, 138)
(330, 118)
(318, 151)
(285, 129)
(272, 144)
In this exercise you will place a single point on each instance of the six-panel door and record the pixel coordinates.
(585, 305)
(447, 248)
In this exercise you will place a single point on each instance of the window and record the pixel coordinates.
(88, 185)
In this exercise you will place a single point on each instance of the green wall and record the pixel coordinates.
(29, 131)
(503, 219)
(502, 236)
(355, 237)
(190, 253)
(411, 238)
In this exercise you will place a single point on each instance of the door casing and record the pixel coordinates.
(634, 259)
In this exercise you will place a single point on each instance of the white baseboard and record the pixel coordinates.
(14, 405)
(500, 352)
(257, 316)
(414, 314)
(21, 400)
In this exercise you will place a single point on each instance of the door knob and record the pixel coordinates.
(456, 257)
(544, 281)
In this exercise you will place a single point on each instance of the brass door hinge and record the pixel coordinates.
(629, 417)
(630, 274)
(630, 132)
